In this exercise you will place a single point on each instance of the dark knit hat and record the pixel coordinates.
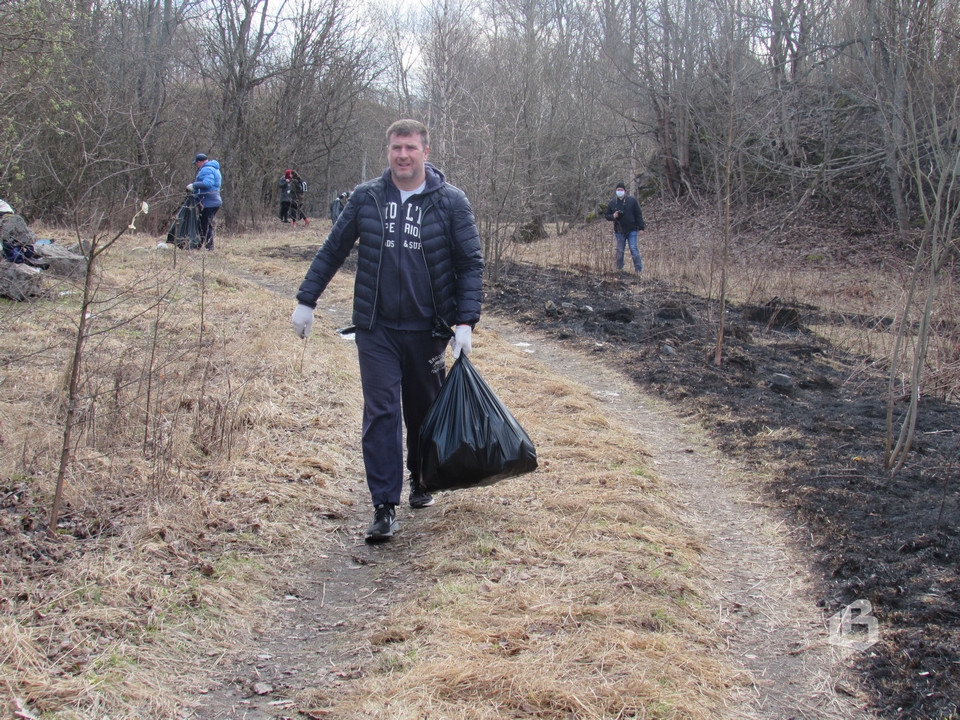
(621, 185)
(199, 157)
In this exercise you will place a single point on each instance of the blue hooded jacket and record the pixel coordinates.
(206, 188)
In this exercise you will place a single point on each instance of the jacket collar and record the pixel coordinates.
(435, 179)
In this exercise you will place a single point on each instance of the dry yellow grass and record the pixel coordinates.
(215, 451)
(571, 592)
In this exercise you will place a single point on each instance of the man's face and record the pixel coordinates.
(407, 155)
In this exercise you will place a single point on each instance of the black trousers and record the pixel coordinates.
(205, 226)
(401, 373)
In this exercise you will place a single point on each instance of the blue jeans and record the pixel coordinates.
(629, 238)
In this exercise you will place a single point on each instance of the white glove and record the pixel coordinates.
(190, 187)
(302, 320)
(462, 340)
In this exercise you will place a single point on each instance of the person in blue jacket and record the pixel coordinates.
(419, 273)
(206, 191)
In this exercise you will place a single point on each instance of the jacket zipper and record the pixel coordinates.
(383, 241)
(423, 254)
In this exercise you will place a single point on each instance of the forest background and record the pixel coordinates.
(536, 108)
(766, 123)
(733, 109)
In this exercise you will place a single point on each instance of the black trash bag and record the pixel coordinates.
(469, 438)
(185, 230)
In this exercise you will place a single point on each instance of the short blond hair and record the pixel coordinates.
(406, 128)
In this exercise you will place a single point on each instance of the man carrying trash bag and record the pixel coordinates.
(419, 273)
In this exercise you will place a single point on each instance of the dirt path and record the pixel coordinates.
(760, 585)
(319, 641)
(762, 591)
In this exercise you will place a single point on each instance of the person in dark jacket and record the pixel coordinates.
(286, 195)
(206, 191)
(419, 273)
(336, 207)
(298, 186)
(624, 211)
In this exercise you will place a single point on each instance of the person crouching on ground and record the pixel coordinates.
(419, 272)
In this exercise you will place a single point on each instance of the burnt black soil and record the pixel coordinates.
(788, 403)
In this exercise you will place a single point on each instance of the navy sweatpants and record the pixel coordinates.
(401, 373)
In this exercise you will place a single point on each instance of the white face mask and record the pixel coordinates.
(621, 193)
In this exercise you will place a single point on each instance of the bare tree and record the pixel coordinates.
(237, 56)
(882, 29)
(932, 126)
(325, 85)
(403, 55)
(156, 26)
(24, 35)
(92, 253)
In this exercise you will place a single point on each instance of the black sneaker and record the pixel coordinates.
(384, 523)
(420, 498)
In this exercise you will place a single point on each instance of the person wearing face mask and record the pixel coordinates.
(627, 218)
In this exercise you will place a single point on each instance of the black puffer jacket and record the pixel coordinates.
(450, 243)
(631, 216)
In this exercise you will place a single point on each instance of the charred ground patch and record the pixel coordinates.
(813, 416)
